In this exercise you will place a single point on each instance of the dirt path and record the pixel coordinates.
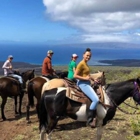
(16, 128)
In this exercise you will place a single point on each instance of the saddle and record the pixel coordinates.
(13, 78)
(75, 93)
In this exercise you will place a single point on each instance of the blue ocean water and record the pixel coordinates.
(35, 54)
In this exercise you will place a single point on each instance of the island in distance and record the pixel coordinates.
(122, 62)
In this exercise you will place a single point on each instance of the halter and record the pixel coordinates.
(136, 97)
(136, 93)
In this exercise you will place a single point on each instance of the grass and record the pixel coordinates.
(121, 123)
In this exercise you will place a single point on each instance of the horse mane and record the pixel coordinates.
(119, 83)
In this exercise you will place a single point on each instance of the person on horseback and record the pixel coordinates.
(82, 73)
(47, 70)
(72, 67)
(8, 71)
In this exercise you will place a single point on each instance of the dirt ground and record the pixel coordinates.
(16, 128)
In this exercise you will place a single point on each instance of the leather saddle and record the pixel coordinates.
(75, 93)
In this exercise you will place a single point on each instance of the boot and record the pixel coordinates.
(91, 121)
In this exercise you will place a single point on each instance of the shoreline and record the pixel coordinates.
(115, 62)
(122, 62)
(22, 66)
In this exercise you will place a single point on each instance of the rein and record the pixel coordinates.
(130, 105)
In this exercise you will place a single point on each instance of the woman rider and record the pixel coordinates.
(82, 73)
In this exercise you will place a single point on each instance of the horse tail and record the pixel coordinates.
(30, 94)
(42, 113)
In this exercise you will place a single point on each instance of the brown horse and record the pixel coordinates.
(10, 87)
(34, 89)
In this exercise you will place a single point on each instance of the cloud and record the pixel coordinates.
(98, 20)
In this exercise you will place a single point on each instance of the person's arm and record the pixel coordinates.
(74, 67)
(49, 64)
(77, 76)
(6, 66)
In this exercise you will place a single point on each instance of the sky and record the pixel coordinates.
(69, 21)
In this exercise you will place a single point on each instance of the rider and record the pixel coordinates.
(72, 67)
(8, 71)
(47, 69)
(82, 73)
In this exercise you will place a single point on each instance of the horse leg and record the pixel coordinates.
(20, 103)
(15, 105)
(43, 133)
(37, 108)
(99, 130)
(27, 113)
(4, 100)
(47, 118)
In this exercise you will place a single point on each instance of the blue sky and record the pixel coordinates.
(26, 21)
(64, 21)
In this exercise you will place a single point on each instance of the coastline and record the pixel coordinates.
(122, 62)
(22, 66)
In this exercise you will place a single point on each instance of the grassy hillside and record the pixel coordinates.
(122, 127)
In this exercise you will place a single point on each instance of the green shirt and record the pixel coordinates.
(72, 65)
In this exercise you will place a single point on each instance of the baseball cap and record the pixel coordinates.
(50, 51)
(74, 55)
(10, 56)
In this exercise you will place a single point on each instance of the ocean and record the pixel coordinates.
(34, 54)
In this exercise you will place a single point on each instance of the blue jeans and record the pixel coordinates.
(89, 91)
(18, 77)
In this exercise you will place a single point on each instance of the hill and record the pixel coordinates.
(22, 66)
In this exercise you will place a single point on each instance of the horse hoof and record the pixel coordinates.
(20, 113)
(16, 113)
(4, 119)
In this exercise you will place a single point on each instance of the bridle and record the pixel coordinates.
(136, 93)
(136, 97)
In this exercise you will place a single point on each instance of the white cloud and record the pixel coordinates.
(97, 19)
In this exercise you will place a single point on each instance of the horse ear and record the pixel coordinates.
(138, 80)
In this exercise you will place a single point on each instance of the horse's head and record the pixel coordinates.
(61, 74)
(28, 75)
(16, 71)
(136, 94)
(99, 76)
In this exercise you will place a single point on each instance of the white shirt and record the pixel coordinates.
(6, 66)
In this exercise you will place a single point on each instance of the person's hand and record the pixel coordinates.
(10, 67)
(87, 77)
(97, 81)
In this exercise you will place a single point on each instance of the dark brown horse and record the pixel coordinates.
(10, 87)
(34, 89)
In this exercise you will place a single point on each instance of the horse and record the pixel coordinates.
(10, 87)
(34, 89)
(55, 104)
